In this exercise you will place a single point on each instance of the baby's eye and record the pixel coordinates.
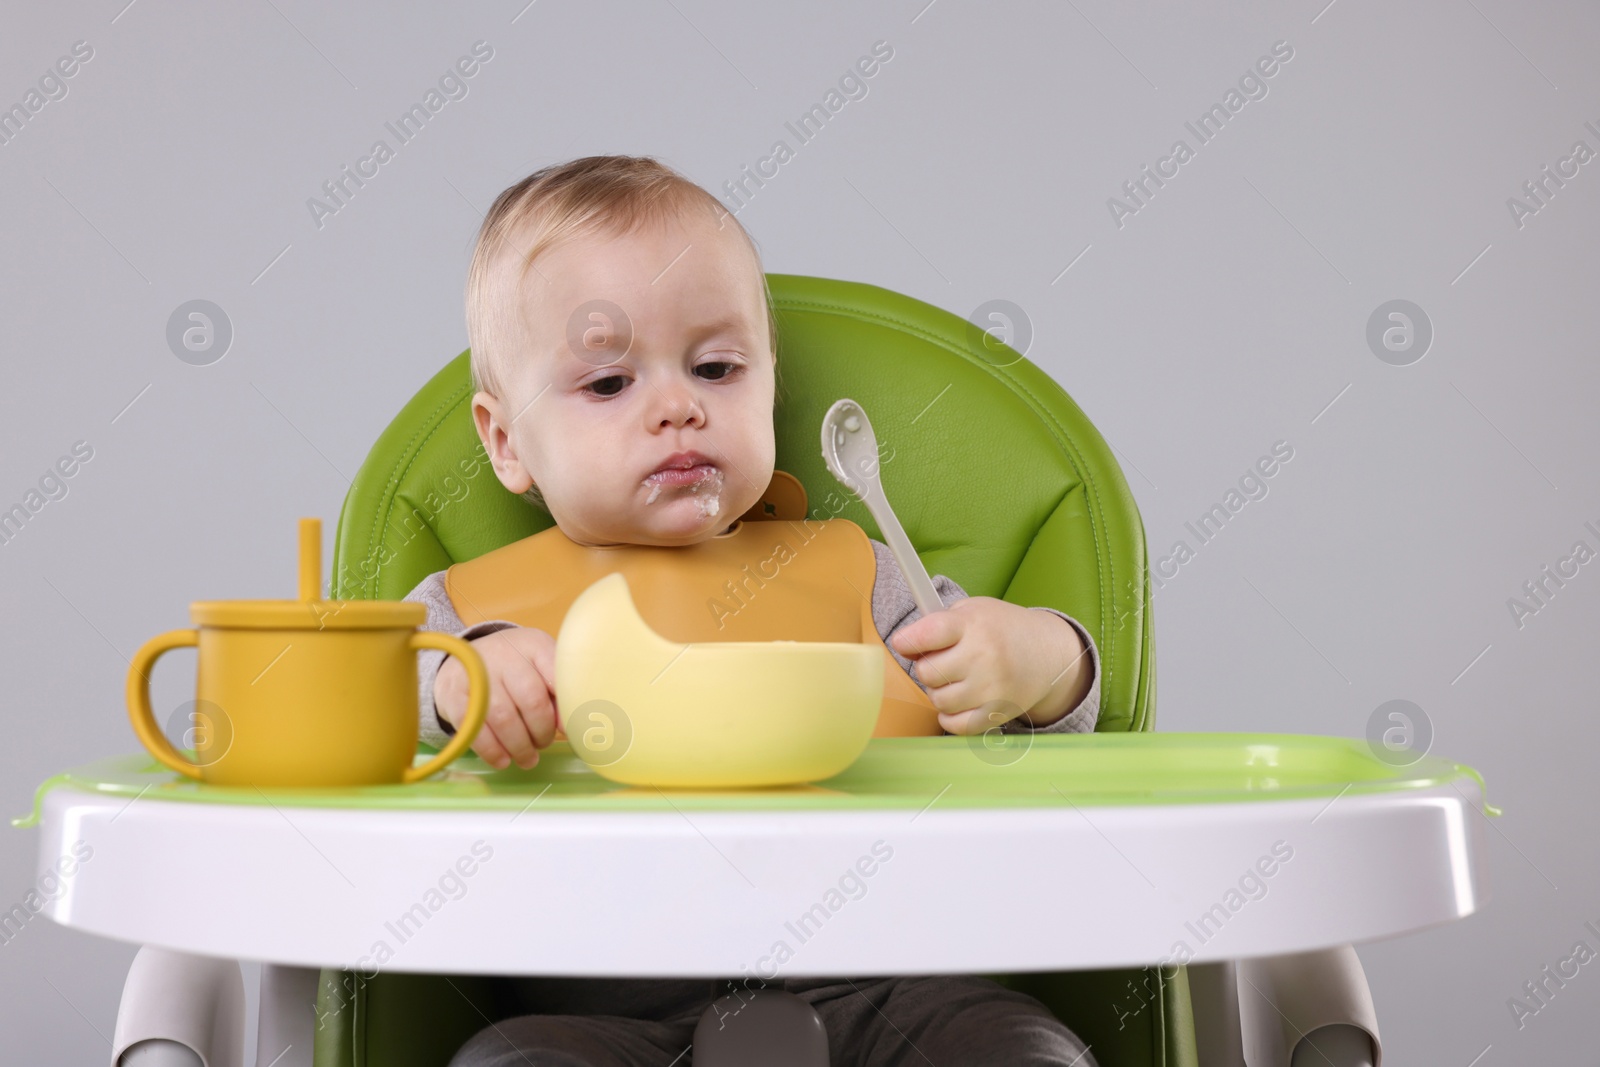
(728, 368)
(600, 387)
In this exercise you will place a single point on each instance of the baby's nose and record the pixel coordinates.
(678, 405)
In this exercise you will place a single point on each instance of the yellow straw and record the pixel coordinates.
(310, 559)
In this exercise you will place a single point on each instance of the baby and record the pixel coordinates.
(623, 348)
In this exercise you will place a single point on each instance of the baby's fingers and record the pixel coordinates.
(505, 729)
(490, 750)
(943, 669)
(979, 720)
(962, 722)
(926, 634)
(535, 704)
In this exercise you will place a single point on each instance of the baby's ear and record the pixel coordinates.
(493, 424)
(486, 409)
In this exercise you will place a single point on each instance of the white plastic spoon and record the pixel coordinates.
(850, 450)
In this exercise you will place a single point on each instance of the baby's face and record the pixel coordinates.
(641, 347)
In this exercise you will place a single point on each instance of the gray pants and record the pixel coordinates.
(938, 1020)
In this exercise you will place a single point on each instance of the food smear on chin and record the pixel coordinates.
(711, 500)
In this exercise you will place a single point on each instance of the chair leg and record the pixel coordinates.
(287, 1016)
(179, 999)
(1304, 1007)
(765, 1026)
(1214, 993)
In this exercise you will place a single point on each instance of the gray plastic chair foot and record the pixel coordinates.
(1341, 1044)
(159, 1052)
(765, 1026)
(174, 1001)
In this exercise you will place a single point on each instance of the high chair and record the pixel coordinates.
(1003, 484)
(1025, 502)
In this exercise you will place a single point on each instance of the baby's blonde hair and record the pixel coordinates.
(609, 194)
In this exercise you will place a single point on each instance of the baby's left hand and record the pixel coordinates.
(986, 661)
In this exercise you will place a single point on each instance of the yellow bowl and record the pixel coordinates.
(643, 710)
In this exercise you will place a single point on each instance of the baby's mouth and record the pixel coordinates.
(674, 477)
(703, 480)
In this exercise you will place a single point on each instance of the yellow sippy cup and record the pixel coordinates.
(305, 692)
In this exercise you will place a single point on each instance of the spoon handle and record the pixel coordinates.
(894, 535)
(850, 449)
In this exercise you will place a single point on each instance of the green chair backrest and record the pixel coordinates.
(1000, 480)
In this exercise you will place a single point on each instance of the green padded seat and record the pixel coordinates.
(1001, 482)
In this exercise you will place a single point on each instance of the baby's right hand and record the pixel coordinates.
(522, 703)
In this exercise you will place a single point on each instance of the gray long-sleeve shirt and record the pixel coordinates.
(892, 607)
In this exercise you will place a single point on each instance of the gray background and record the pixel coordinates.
(1228, 314)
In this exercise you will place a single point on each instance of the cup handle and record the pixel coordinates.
(477, 701)
(144, 720)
